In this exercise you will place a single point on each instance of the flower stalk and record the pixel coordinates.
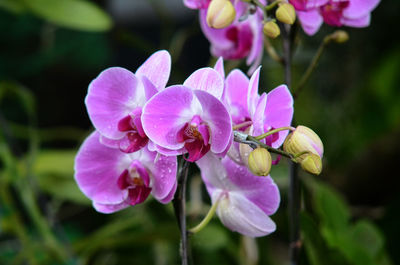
(206, 219)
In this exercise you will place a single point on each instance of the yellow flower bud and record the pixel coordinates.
(312, 164)
(286, 14)
(220, 14)
(271, 29)
(303, 139)
(260, 162)
(340, 36)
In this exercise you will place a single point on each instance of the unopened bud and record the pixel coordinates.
(271, 29)
(286, 14)
(303, 139)
(220, 14)
(312, 164)
(260, 162)
(340, 36)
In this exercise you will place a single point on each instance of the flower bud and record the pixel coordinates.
(312, 164)
(220, 14)
(260, 162)
(271, 29)
(340, 36)
(303, 139)
(286, 14)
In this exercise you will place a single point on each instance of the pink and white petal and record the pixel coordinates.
(259, 115)
(206, 79)
(218, 120)
(170, 195)
(255, 55)
(241, 215)
(236, 86)
(310, 21)
(357, 23)
(166, 113)
(111, 97)
(163, 169)
(213, 173)
(111, 143)
(279, 111)
(157, 69)
(359, 8)
(261, 191)
(196, 4)
(149, 88)
(219, 67)
(109, 208)
(252, 92)
(97, 169)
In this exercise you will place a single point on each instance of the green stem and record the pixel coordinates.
(206, 219)
(271, 51)
(262, 136)
(312, 66)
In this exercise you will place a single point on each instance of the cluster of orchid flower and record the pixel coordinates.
(142, 126)
(235, 27)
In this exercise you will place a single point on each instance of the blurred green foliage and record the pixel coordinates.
(49, 52)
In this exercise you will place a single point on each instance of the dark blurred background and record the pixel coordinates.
(352, 101)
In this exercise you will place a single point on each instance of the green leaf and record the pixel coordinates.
(54, 171)
(368, 236)
(317, 251)
(74, 14)
(331, 208)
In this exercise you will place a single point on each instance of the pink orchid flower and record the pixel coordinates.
(196, 4)
(114, 180)
(243, 38)
(352, 13)
(116, 97)
(263, 113)
(245, 201)
(189, 118)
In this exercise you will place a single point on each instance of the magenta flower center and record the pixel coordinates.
(135, 138)
(136, 180)
(332, 12)
(242, 39)
(196, 136)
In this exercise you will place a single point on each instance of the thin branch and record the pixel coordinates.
(179, 203)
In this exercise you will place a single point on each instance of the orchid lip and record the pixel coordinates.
(196, 136)
(136, 180)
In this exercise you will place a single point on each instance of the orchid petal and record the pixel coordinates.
(236, 86)
(252, 92)
(279, 112)
(166, 113)
(359, 8)
(262, 191)
(157, 69)
(217, 118)
(97, 169)
(219, 67)
(310, 21)
(206, 79)
(111, 97)
(110, 208)
(241, 215)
